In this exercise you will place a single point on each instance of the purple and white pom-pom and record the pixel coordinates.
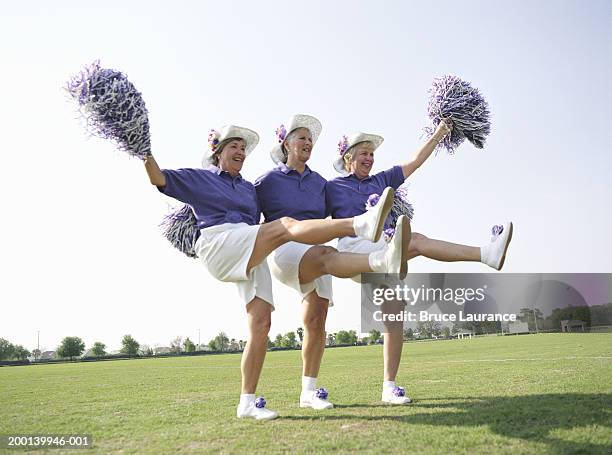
(455, 99)
(260, 402)
(181, 229)
(401, 205)
(113, 108)
(321, 393)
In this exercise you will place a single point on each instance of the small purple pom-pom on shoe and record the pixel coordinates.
(260, 402)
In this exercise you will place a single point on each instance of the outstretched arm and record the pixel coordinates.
(421, 156)
(156, 176)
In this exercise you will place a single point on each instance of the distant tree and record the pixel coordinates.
(212, 345)
(21, 353)
(98, 349)
(278, 341)
(289, 340)
(374, 336)
(7, 350)
(36, 353)
(145, 350)
(242, 344)
(270, 343)
(188, 345)
(408, 334)
(129, 345)
(446, 332)
(429, 329)
(70, 347)
(222, 341)
(331, 339)
(344, 337)
(176, 345)
(300, 334)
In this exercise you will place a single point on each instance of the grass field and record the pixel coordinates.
(522, 394)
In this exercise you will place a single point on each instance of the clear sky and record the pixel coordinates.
(81, 251)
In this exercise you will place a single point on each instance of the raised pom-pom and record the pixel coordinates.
(455, 99)
(181, 229)
(113, 108)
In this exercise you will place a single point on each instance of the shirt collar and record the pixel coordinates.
(354, 177)
(217, 170)
(286, 169)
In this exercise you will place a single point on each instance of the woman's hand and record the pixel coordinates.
(156, 176)
(444, 127)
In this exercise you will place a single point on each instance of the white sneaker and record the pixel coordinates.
(256, 410)
(370, 224)
(494, 254)
(315, 399)
(395, 395)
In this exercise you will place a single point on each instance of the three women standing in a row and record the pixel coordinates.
(294, 201)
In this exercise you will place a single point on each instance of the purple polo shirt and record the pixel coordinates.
(346, 196)
(214, 195)
(283, 191)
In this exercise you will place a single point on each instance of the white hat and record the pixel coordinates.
(250, 137)
(295, 121)
(347, 142)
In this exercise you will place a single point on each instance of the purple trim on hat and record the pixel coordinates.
(281, 133)
(343, 145)
(213, 139)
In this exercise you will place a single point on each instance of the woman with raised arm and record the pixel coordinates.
(233, 245)
(347, 196)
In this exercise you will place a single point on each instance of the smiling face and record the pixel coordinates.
(362, 159)
(298, 145)
(232, 155)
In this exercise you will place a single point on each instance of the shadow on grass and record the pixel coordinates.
(531, 417)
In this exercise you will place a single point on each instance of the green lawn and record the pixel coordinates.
(522, 394)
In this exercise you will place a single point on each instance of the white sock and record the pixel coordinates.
(308, 384)
(484, 253)
(376, 260)
(388, 385)
(246, 399)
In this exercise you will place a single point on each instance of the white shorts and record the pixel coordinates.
(285, 265)
(225, 251)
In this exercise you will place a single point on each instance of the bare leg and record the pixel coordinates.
(314, 316)
(440, 250)
(392, 353)
(313, 232)
(323, 260)
(259, 316)
(394, 340)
